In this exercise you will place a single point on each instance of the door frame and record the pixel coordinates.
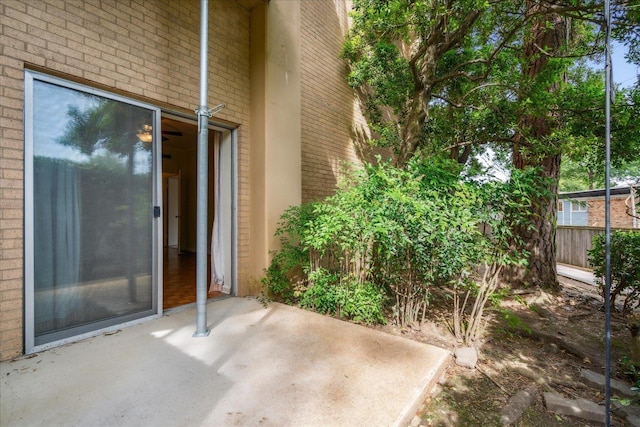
(98, 327)
(227, 138)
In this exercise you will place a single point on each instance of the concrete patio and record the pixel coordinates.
(273, 366)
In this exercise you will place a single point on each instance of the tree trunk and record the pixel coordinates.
(540, 240)
(531, 148)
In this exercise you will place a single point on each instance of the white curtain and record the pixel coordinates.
(57, 245)
(217, 247)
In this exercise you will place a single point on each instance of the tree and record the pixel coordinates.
(583, 162)
(534, 143)
(446, 77)
(410, 56)
(108, 131)
(553, 46)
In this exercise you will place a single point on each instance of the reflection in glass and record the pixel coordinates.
(92, 209)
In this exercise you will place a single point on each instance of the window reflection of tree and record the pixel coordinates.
(107, 133)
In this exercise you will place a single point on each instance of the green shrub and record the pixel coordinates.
(389, 237)
(322, 296)
(346, 298)
(625, 266)
(362, 302)
(285, 278)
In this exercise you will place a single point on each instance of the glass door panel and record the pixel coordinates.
(92, 211)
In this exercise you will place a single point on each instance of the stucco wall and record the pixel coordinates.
(276, 134)
(142, 49)
(306, 121)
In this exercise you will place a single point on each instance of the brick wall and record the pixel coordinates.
(143, 49)
(619, 217)
(332, 124)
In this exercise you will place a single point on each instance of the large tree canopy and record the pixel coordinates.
(448, 77)
(408, 57)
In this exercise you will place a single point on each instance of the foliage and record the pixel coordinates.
(625, 266)
(410, 57)
(391, 236)
(346, 297)
(285, 277)
(505, 207)
(626, 16)
(457, 77)
(583, 163)
(632, 373)
(438, 76)
(574, 176)
(107, 125)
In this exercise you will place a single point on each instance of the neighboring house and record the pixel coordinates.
(587, 208)
(581, 216)
(97, 129)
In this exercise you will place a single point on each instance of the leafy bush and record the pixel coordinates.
(347, 298)
(625, 266)
(406, 230)
(503, 206)
(322, 296)
(392, 236)
(285, 278)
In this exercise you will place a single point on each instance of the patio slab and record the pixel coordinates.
(273, 366)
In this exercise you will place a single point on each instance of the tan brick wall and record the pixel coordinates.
(331, 118)
(619, 217)
(145, 49)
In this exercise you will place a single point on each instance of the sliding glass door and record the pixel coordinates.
(90, 189)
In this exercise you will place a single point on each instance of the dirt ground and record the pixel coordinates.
(556, 337)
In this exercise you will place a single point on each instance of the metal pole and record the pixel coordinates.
(202, 172)
(607, 216)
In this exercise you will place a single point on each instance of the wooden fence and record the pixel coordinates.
(572, 243)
